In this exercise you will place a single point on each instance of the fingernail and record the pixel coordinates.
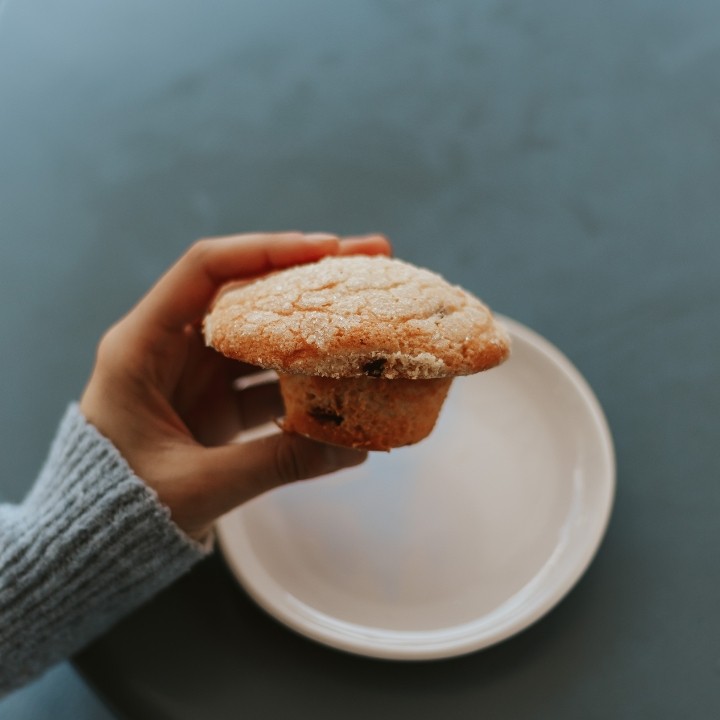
(381, 243)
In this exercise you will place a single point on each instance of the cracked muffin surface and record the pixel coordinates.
(356, 316)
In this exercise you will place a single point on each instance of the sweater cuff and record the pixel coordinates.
(93, 543)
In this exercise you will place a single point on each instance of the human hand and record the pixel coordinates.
(169, 403)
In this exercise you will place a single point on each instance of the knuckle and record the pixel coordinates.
(110, 346)
(199, 250)
(117, 354)
(289, 464)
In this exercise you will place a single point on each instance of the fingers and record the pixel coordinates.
(366, 245)
(259, 404)
(184, 293)
(217, 412)
(234, 474)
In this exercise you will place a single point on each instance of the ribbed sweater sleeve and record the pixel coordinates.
(90, 543)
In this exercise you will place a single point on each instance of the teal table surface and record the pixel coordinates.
(561, 159)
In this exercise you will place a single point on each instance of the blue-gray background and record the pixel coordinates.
(560, 158)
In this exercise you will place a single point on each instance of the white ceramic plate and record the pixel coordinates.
(453, 544)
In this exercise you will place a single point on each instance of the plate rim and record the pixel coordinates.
(408, 645)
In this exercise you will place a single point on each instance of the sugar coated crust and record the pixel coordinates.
(355, 316)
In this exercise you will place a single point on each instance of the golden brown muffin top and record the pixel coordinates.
(356, 315)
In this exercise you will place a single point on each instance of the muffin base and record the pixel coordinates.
(362, 412)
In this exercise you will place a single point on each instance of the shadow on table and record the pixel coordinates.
(203, 649)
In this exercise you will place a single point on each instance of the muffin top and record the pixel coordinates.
(354, 316)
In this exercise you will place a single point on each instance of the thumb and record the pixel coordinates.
(236, 473)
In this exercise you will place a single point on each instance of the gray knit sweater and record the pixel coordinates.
(90, 543)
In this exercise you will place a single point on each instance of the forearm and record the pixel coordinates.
(89, 544)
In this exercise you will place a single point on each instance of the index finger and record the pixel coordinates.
(184, 292)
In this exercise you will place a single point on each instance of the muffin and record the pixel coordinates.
(365, 347)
